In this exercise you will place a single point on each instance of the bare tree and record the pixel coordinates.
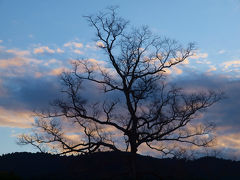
(138, 107)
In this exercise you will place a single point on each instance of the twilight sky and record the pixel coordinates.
(39, 38)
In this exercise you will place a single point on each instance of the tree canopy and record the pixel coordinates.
(132, 105)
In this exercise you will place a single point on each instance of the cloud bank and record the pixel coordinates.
(30, 81)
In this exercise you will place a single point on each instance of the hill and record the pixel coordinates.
(113, 165)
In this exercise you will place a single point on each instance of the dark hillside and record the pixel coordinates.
(112, 165)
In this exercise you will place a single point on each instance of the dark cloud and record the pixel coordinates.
(226, 112)
(29, 93)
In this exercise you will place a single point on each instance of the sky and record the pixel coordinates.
(38, 38)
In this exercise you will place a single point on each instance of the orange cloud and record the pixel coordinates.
(4, 63)
(212, 68)
(17, 62)
(13, 118)
(229, 141)
(177, 70)
(199, 55)
(52, 61)
(57, 71)
(18, 53)
(100, 44)
(235, 63)
(59, 50)
(73, 44)
(77, 51)
(186, 61)
(43, 49)
(38, 74)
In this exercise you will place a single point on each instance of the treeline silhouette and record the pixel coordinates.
(113, 165)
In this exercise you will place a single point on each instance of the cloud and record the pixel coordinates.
(73, 44)
(93, 64)
(221, 51)
(212, 68)
(185, 62)
(1, 41)
(57, 71)
(38, 85)
(235, 63)
(225, 114)
(38, 74)
(53, 62)
(96, 62)
(229, 145)
(204, 61)
(177, 70)
(90, 46)
(17, 62)
(199, 55)
(230, 140)
(18, 52)
(100, 44)
(43, 49)
(19, 67)
(4, 63)
(27, 83)
(13, 118)
(78, 51)
(74, 47)
(59, 50)
(29, 93)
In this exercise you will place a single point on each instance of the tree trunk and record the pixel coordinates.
(133, 143)
(133, 166)
(133, 157)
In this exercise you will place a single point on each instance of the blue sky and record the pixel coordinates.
(37, 39)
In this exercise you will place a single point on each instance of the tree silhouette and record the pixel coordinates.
(138, 107)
